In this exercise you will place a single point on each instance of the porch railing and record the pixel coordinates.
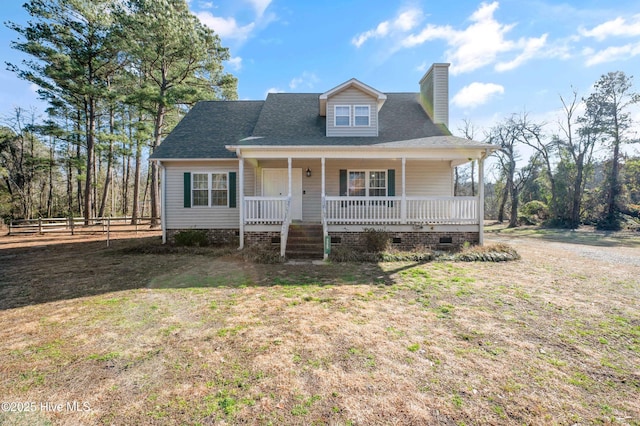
(364, 210)
(443, 210)
(395, 210)
(265, 210)
(284, 231)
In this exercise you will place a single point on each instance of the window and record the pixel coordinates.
(342, 115)
(377, 184)
(218, 189)
(215, 184)
(357, 182)
(372, 183)
(200, 189)
(361, 115)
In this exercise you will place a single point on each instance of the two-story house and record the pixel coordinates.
(325, 166)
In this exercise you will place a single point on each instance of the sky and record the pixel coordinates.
(507, 56)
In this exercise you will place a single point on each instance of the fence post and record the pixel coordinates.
(40, 225)
(108, 229)
(73, 223)
(10, 224)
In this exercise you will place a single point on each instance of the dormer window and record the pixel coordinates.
(361, 115)
(343, 115)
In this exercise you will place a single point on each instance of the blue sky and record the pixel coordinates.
(506, 56)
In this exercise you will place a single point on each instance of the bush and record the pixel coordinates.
(533, 213)
(375, 240)
(492, 253)
(264, 254)
(192, 237)
(348, 254)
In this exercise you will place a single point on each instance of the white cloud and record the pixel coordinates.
(610, 54)
(530, 49)
(480, 43)
(235, 62)
(273, 90)
(476, 94)
(260, 6)
(618, 27)
(225, 27)
(404, 22)
(306, 80)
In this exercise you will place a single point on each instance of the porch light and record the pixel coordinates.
(308, 172)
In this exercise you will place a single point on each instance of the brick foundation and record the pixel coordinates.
(221, 237)
(263, 238)
(407, 241)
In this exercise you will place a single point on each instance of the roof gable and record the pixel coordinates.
(379, 96)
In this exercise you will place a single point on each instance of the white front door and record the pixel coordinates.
(275, 183)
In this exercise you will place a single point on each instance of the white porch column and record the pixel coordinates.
(323, 194)
(241, 206)
(403, 204)
(481, 198)
(289, 170)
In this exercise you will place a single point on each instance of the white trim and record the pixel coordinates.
(335, 115)
(241, 199)
(163, 202)
(209, 174)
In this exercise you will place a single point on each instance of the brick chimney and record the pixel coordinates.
(434, 93)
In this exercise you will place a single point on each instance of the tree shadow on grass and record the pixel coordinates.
(588, 237)
(53, 272)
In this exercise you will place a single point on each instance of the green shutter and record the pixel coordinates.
(232, 190)
(343, 183)
(187, 189)
(391, 183)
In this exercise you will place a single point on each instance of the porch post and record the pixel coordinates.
(289, 170)
(323, 178)
(481, 198)
(241, 206)
(403, 204)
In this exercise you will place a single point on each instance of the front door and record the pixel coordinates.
(275, 183)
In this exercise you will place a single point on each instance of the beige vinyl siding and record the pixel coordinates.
(179, 217)
(311, 186)
(434, 93)
(423, 178)
(352, 97)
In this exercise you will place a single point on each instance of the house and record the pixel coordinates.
(308, 171)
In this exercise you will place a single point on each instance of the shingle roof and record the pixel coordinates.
(208, 127)
(286, 119)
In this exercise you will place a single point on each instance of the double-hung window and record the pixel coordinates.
(361, 115)
(210, 189)
(367, 182)
(342, 115)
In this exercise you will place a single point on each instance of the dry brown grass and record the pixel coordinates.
(151, 337)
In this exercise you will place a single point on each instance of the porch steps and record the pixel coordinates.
(305, 241)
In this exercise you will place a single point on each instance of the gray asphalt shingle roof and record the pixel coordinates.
(286, 119)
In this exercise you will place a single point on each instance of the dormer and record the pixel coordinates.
(351, 109)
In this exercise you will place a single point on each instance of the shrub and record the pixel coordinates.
(492, 253)
(348, 254)
(192, 237)
(264, 254)
(375, 240)
(533, 212)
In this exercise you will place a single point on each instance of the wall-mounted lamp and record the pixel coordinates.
(308, 172)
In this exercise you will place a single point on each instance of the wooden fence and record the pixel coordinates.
(78, 225)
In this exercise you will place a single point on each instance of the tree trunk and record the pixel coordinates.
(155, 185)
(513, 218)
(503, 202)
(577, 193)
(136, 183)
(108, 177)
(91, 128)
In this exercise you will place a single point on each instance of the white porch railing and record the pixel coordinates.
(265, 210)
(364, 210)
(443, 210)
(393, 210)
(284, 231)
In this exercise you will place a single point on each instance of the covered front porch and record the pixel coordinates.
(347, 190)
